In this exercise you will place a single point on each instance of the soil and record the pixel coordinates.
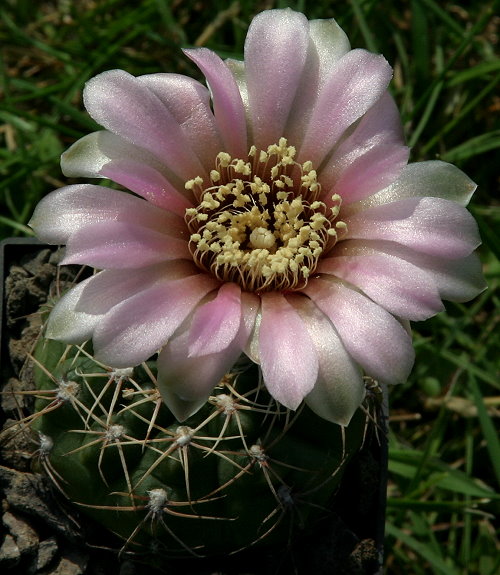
(42, 534)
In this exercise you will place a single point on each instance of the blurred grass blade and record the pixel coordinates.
(491, 236)
(368, 37)
(473, 147)
(435, 561)
(490, 432)
(406, 462)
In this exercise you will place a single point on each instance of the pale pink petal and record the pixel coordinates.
(429, 225)
(339, 389)
(216, 323)
(68, 210)
(110, 287)
(276, 49)
(228, 105)
(370, 158)
(434, 178)
(148, 183)
(123, 105)
(456, 279)
(370, 172)
(399, 286)
(193, 377)
(288, 357)
(327, 44)
(189, 103)
(119, 245)
(371, 335)
(139, 326)
(182, 409)
(67, 324)
(106, 155)
(186, 381)
(358, 80)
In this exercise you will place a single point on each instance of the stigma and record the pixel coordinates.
(259, 221)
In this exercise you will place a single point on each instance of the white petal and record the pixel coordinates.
(422, 179)
(67, 324)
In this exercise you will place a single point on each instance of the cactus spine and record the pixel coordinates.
(243, 471)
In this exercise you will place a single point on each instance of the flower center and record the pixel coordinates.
(259, 223)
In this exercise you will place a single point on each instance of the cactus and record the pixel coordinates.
(244, 471)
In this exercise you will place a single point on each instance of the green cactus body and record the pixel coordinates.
(243, 471)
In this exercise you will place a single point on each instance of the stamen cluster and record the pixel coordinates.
(260, 223)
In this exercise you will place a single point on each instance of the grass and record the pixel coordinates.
(444, 444)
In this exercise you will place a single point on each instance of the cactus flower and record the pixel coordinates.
(273, 214)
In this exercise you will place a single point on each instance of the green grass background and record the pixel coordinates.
(444, 464)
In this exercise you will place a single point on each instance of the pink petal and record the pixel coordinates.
(139, 326)
(371, 335)
(68, 210)
(397, 285)
(186, 381)
(118, 245)
(429, 225)
(228, 106)
(216, 323)
(103, 154)
(148, 183)
(456, 279)
(327, 44)
(370, 158)
(193, 377)
(123, 105)
(189, 103)
(288, 357)
(276, 49)
(339, 389)
(110, 287)
(358, 80)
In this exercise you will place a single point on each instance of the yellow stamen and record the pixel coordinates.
(260, 222)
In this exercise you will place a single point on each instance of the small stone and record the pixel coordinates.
(46, 553)
(71, 564)
(365, 558)
(24, 535)
(9, 552)
(16, 444)
(30, 494)
(12, 399)
(33, 262)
